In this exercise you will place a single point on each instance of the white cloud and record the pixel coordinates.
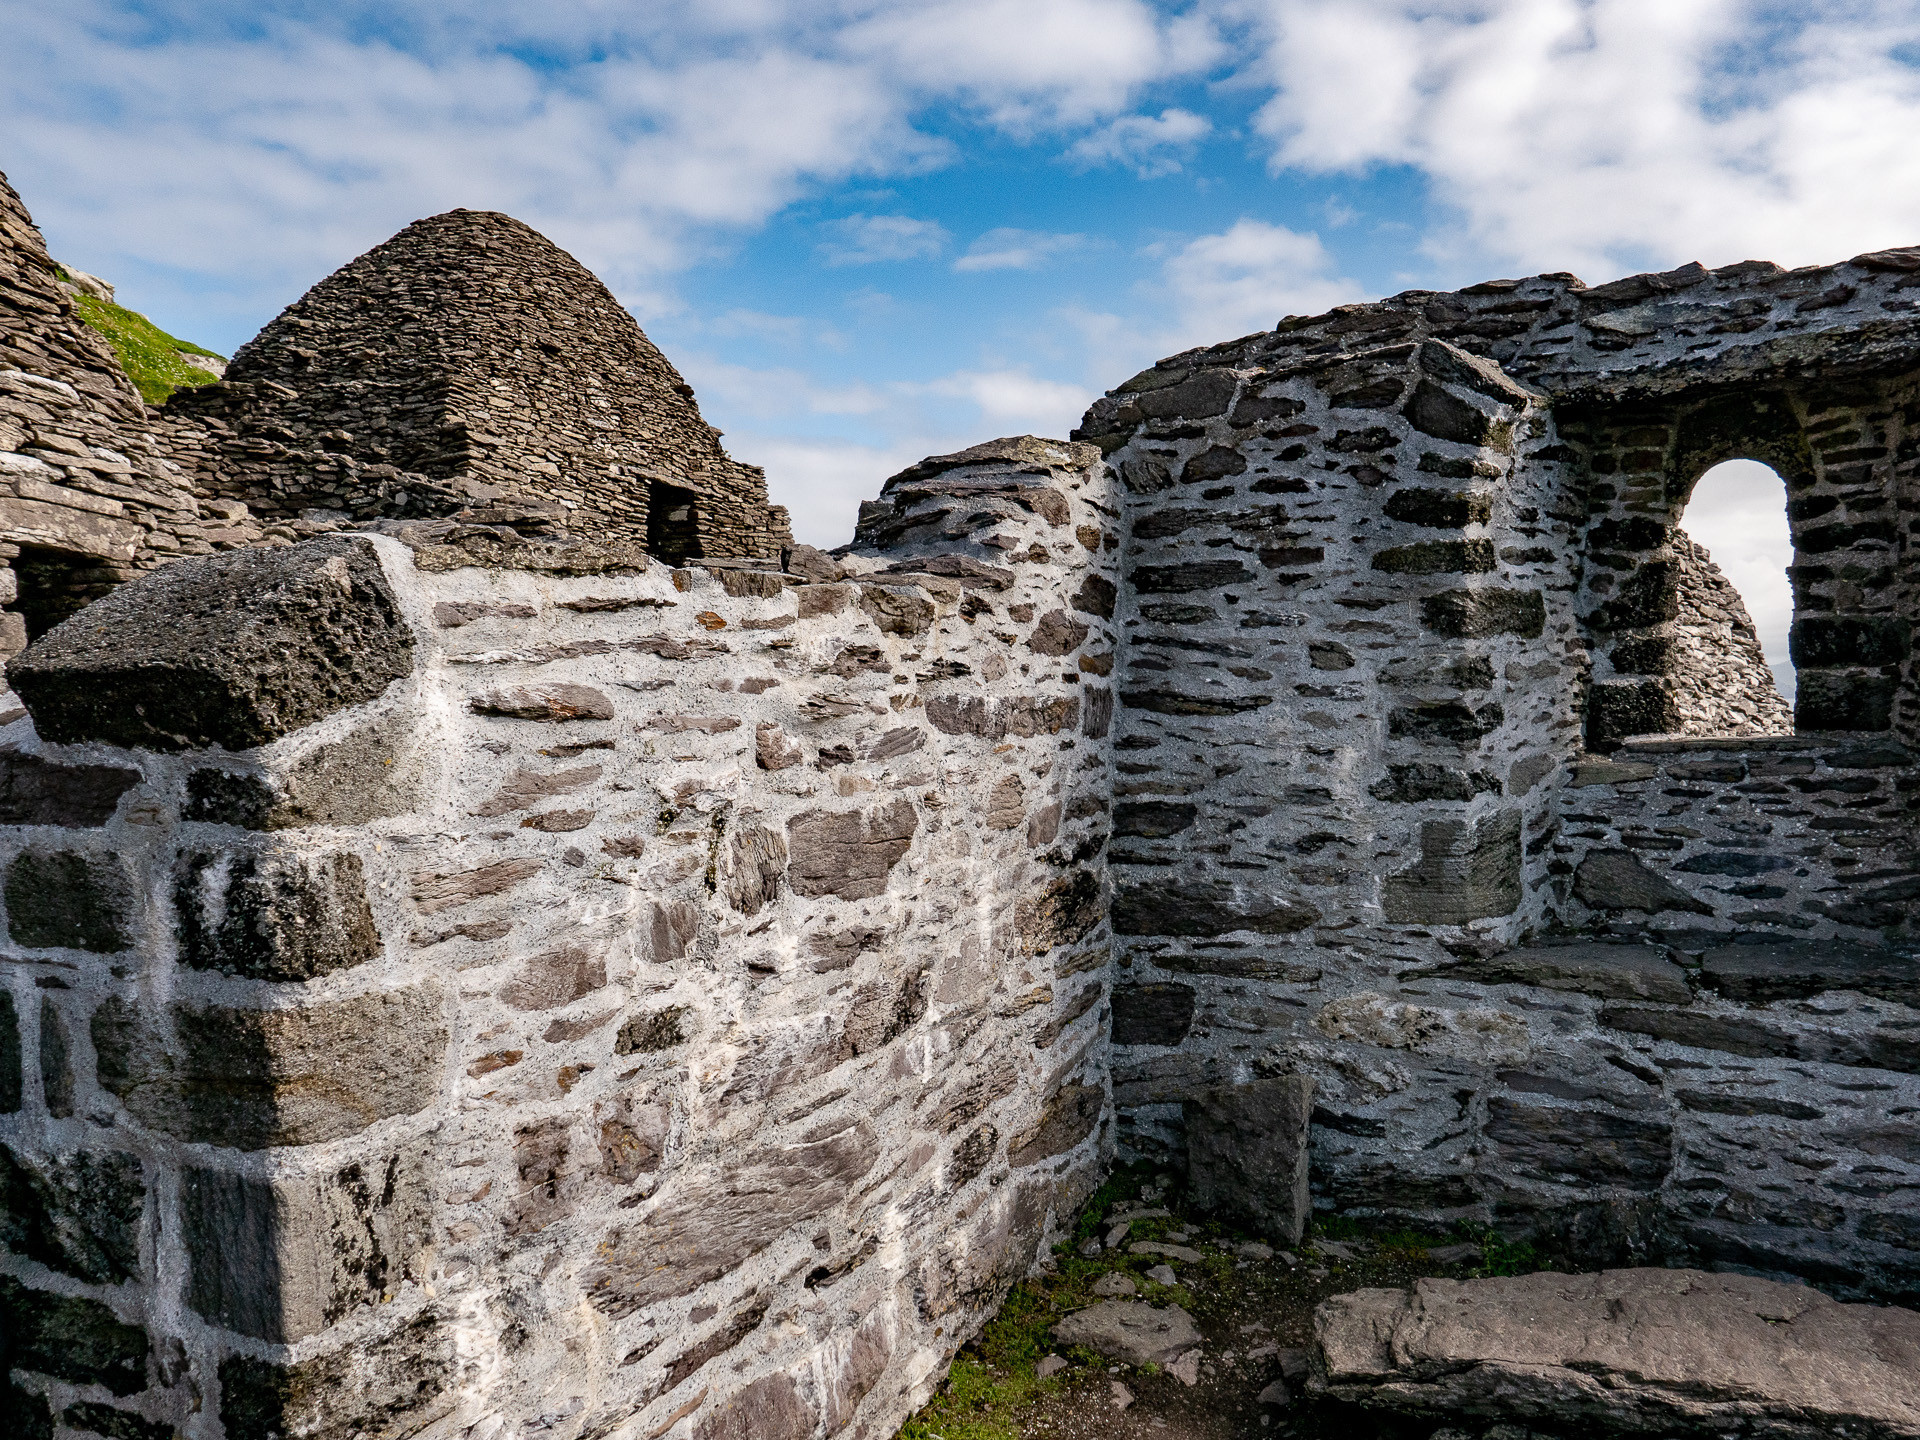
(1604, 135)
(1014, 400)
(822, 481)
(870, 239)
(1006, 249)
(1739, 512)
(1247, 278)
(1151, 146)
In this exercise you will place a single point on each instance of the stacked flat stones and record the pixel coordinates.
(468, 364)
(1722, 682)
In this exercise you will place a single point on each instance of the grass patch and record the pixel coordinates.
(149, 355)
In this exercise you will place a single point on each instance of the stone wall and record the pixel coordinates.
(470, 366)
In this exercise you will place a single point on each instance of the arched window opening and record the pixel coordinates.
(1731, 671)
(54, 584)
(673, 524)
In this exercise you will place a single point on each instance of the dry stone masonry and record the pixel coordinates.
(499, 941)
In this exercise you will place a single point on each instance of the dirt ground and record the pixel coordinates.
(1252, 1303)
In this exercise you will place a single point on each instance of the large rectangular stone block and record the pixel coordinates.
(272, 913)
(72, 1339)
(249, 1079)
(1247, 1153)
(78, 1213)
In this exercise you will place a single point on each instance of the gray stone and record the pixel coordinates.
(1640, 1352)
(553, 703)
(1473, 614)
(851, 853)
(78, 1213)
(1588, 1147)
(384, 1387)
(555, 978)
(250, 1079)
(1874, 1047)
(235, 649)
(72, 1339)
(1465, 872)
(1797, 969)
(1131, 1332)
(1067, 1118)
(273, 913)
(370, 773)
(1620, 880)
(285, 1258)
(1161, 908)
(10, 1069)
(771, 1408)
(705, 1223)
(1114, 1285)
(70, 899)
(1159, 1014)
(56, 1061)
(36, 791)
(1612, 972)
(1247, 1154)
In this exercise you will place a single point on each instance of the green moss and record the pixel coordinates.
(149, 355)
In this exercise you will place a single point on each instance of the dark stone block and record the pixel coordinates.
(1642, 655)
(1410, 784)
(1902, 1231)
(70, 899)
(1450, 721)
(1196, 575)
(1798, 969)
(235, 649)
(1843, 700)
(25, 1415)
(34, 791)
(1440, 509)
(1437, 557)
(1821, 642)
(1648, 596)
(1465, 872)
(1214, 464)
(383, 1388)
(1876, 1049)
(1612, 972)
(114, 1424)
(1474, 614)
(1247, 1154)
(273, 914)
(1632, 532)
(1202, 909)
(78, 1213)
(71, 1339)
(11, 1076)
(1714, 1103)
(370, 773)
(283, 1259)
(1618, 709)
(1820, 539)
(1733, 862)
(1587, 1147)
(1436, 411)
(56, 1061)
(1200, 397)
(1152, 819)
(1096, 596)
(1181, 702)
(1152, 1014)
(248, 1079)
(1619, 880)
(1065, 1120)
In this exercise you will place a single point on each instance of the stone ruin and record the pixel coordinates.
(501, 941)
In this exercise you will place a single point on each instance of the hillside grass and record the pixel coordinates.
(149, 355)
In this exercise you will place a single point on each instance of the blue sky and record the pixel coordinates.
(870, 230)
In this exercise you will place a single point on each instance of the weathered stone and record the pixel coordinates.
(1620, 880)
(1056, 634)
(78, 1340)
(1197, 575)
(1022, 716)
(555, 978)
(1419, 781)
(1131, 1332)
(1465, 872)
(382, 1388)
(372, 772)
(1618, 709)
(554, 703)
(1819, 641)
(249, 1079)
(235, 649)
(1440, 509)
(1159, 908)
(71, 899)
(898, 609)
(56, 1061)
(273, 914)
(10, 1070)
(1247, 1154)
(1797, 969)
(36, 791)
(708, 1222)
(1653, 1352)
(283, 1259)
(1437, 557)
(754, 868)
(774, 749)
(79, 1213)
(849, 854)
(1843, 700)
(1482, 1037)
(114, 1423)
(1612, 972)
(771, 1408)
(1152, 819)
(1068, 1117)
(1449, 721)
(1585, 1146)
(1473, 614)
(1152, 1014)
(432, 893)
(1875, 1048)
(526, 788)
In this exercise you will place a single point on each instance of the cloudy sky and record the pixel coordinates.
(872, 229)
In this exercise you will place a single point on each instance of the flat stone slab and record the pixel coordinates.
(1796, 969)
(1662, 1352)
(1131, 1331)
(1612, 972)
